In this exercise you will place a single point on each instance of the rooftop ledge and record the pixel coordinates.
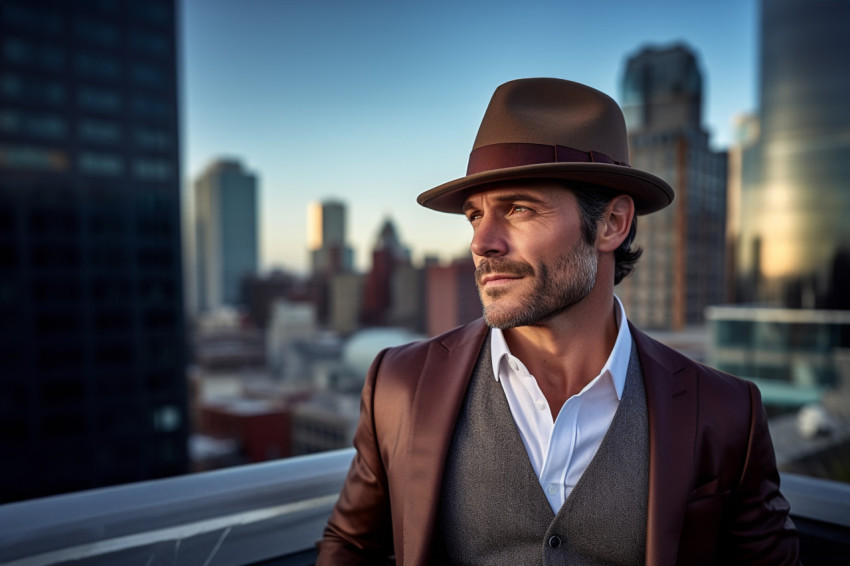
(273, 513)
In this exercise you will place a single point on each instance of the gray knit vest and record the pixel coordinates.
(493, 511)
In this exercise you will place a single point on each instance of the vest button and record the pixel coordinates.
(555, 542)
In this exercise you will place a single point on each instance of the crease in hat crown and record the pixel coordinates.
(551, 129)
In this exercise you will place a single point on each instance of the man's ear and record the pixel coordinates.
(615, 223)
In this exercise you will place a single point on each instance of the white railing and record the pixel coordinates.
(249, 514)
(240, 515)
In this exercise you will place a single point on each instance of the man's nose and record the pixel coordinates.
(488, 239)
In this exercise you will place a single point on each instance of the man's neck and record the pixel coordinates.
(567, 352)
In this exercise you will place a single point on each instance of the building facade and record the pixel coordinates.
(392, 290)
(227, 233)
(451, 297)
(789, 353)
(682, 268)
(794, 248)
(327, 238)
(91, 306)
(334, 287)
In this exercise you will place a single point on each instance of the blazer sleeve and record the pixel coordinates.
(359, 530)
(759, 530)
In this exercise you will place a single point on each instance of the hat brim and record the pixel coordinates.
(650, 193)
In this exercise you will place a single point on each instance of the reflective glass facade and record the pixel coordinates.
(789, 353)
(793, 249)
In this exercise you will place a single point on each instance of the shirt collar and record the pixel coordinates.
(617, 364)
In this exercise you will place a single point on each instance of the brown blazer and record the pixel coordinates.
(713, 488)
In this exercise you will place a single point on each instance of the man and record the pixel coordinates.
(553, 431)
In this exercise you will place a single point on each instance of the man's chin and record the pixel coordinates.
(502, 318)
(492, 293)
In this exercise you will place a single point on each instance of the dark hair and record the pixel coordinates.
(592, 201)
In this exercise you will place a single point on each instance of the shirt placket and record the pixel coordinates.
(562, 445)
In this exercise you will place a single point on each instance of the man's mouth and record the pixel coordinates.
(501, 271)
(498, 278)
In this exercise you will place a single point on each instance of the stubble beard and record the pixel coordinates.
(557, 287)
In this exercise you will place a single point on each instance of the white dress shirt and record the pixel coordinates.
(561, 450)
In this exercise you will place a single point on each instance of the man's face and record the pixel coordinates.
(531, 259)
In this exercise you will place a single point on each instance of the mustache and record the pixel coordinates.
(502, 265)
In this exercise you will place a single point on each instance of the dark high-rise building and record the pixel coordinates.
(92, 385)
(793, 248)
(681, 271)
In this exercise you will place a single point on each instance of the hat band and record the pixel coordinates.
(504, 155)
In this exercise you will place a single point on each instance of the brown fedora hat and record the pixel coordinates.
(551, 129)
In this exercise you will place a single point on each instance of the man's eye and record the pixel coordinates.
(472, 216)
(520, 209)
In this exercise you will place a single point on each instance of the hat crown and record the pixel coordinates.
(551, 129)
(555, 112)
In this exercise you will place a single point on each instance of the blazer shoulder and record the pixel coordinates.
(655, 352)
(414, 354)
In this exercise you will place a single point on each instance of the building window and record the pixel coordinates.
(149, 43)
(152, 169)
(98, 99)
(11, 86)
(150, 12)
(147, 138)
(32, 18)
(16, 51)
(32, 90)
(147, 107)
(46, 126)
(19, 52)
(98, 33)
(51, 58)
(148, 76)
(36, 158)
(97, 66)
(106, 6)
(10, 122)
(99, 131)
(43, 126)
(100, 164)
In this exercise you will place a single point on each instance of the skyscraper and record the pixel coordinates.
(793, 248)
(226, 236)
(682, 268)
(334, 286)
(393, 290)
(329, 251)
(92, 384)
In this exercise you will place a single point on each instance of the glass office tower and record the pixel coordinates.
(227, 233)
(793, 249)
(92, 387)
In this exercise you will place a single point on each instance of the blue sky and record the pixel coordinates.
(373, 102)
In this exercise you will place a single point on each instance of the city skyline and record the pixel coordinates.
(373, 104)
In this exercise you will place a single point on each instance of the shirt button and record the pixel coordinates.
(551, 489)
(541, 405)
(555, 542)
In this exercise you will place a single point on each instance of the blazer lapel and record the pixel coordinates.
(439, 395)
(671, 399)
